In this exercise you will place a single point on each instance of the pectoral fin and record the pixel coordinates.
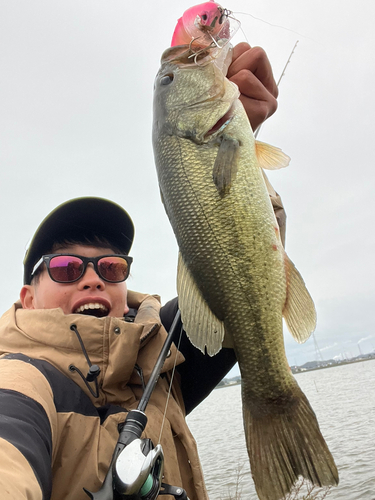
(270, 157)
(202, 327)
(225, 167)
(299, 310)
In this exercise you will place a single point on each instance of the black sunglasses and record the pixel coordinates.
(65, 268)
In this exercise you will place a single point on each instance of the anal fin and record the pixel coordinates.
(299, 310)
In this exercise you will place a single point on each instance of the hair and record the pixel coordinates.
(95, 241)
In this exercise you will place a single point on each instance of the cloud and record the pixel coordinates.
(328, 347)
(365, 338)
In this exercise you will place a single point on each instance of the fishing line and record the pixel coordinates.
(170, 386)
(276, 26)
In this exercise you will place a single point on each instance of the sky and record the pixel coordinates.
(76, 115)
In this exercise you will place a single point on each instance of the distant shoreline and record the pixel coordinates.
(237, 380)
(333, 365)
(221, 386)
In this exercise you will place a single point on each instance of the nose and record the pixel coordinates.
(91, 280)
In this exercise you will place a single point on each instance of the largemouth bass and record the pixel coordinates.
(234, 277)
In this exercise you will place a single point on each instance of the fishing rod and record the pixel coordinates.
(136, 468)
(278, 83)
(288, 61)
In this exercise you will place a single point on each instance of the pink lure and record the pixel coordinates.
(203, 22)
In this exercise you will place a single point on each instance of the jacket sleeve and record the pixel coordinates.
(26, 423)
(200, 373)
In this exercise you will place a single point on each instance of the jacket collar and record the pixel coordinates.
(112, 343)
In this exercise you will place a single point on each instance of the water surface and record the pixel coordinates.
(343, 399)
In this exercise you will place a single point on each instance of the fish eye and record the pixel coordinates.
(204, 17)
(166, 79)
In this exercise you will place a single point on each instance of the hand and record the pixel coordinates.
(251, 71)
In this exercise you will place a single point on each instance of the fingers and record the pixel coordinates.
(255, 60)
(239, 49)
(251, 71)
(261, 104)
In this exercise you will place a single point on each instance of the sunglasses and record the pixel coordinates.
(65, 268)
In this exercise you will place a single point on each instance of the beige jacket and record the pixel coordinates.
(56, 437)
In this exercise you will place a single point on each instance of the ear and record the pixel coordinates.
(27, 296)
(126, 306)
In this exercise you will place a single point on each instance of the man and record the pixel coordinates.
(79, 347)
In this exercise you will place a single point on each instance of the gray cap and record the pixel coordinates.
(76, 220)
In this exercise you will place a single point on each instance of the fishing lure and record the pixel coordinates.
(207, 24)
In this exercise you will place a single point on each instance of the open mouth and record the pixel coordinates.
(221, 123)
(92, 309)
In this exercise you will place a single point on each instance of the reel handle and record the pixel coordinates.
(175, 491)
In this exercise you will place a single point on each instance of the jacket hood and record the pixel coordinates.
(113, 344)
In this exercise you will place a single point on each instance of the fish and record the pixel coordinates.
(205, 23)
(235, 281)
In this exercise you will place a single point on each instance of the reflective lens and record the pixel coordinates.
(113, 269)
(66, 268)
(69, 268)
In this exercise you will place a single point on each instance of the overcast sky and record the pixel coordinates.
(76, 115)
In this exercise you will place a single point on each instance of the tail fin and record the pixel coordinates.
(285, 444)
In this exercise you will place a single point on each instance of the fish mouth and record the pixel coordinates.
(221, 123)
(94, 308)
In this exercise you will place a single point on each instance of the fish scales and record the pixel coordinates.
(234, 275)
(222, 229)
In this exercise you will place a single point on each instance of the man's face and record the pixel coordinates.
(71, 297)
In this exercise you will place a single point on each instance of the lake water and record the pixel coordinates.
(343, 399)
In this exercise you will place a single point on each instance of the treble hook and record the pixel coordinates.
(196, 54)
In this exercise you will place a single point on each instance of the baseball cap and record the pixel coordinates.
(76, 220)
